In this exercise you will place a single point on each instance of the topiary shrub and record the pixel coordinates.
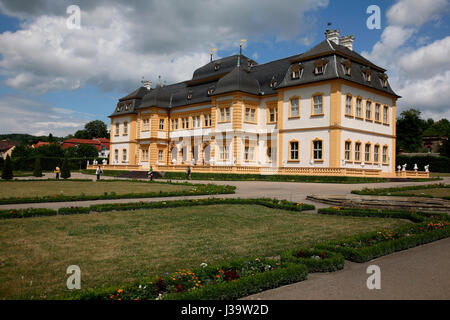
(37, 172)
(7, 172)
(65, 169)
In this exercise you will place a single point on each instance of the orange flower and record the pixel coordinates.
(120, 290)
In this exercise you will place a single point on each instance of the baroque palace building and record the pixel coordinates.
(327, 111)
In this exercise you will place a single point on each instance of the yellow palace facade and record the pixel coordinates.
(327, 111)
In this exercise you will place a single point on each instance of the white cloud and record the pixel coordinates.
(419, 70)
(416, 12)
(23, 115)
(119, 42)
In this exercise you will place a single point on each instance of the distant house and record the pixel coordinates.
(40, 144)
(101, 144)
(6, 148)
(433, 144)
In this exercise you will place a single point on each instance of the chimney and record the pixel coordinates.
(347, 41)
(332, 35)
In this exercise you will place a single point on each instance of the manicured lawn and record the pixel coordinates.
(75, 188)
(439, 174)
(431, 190)
(116, 248)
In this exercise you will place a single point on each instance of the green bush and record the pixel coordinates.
(37, 172)
(379, 213)
(400, 191)
(7, 172)
(437, 164)
(316, 260)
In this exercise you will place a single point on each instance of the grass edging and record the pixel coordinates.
(315, 259)
(198, 189)
(359, 248)
(390, 191)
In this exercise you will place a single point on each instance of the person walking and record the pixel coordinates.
(188, 173)
(57, 171)
(150, 173)
(98, 172)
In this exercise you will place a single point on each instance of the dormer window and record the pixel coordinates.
(319, 66)
(127, 106)
(273, 83)
(347, 65)
(367, 74)
(251, 63)
(216, 66)
(384, 80)
(189, 95)
(210, 90)
(296, 71)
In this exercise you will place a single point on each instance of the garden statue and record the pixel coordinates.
(427, 168)
(415, 167)
(404, 167)
(104, 162)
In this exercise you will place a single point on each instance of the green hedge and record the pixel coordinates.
(316, 260)
(437, 164)
(270, 203)
(199, 189)
(276, 178)
(362, 248)
(26, 213)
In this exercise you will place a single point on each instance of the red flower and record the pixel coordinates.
(323, 255)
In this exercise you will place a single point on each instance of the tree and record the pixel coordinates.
(37, 172)
(444, 150)
(87, 151)
(65, 169)
(81, 134)
(410, 128)
(7, 172)
(50, 138)
(96, 129)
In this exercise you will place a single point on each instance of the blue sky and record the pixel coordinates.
(55, 80)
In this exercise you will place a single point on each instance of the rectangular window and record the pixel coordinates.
(222, 114)
(252, 115)
(223, 152)
(367, 153)
(359, 108)
(117, 129)
(248, 153)
(124, 155)
(348, 106)
(209, 120)
(198, 122)
(377, 112)
(125, 128)
(385, 115)
(385, 154)
(116, 155)
(144, 155)
(376, 154)
(368, 110)
(318, 105)
(348, 150)
(160, 155)
(317, 149)
(187, 123)
(161, 124)
(358, 151)
(145, 123)
(295, 107)
(183, 124)
(247, 114)
(294, 150)
(205, 119)
(269, 153)
(272, 115)
(227, 114)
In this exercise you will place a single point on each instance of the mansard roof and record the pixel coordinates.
(225, 76)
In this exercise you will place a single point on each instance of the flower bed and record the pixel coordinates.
(26, 213)
(366, 247)
(316, 260)
(230, 280)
